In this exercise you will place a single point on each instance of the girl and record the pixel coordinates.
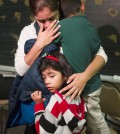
(59, 116)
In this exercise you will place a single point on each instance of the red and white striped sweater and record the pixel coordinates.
(59, 116)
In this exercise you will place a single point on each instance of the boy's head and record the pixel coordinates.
(55, 71)
(70, 7)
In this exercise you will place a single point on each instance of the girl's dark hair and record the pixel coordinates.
(38, 5)
(68, 7)
(61, 66)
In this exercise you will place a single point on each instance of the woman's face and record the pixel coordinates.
(53, 79)
(46, 16)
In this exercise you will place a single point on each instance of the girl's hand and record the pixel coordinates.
(46, 36)
(37, 97)
(77, 83)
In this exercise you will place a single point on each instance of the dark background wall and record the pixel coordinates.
(15, 14)
(5, 86)
(105, 15)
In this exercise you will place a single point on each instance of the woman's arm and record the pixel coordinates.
(22, 61)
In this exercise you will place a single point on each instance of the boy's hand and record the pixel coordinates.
(76, 84)
(37, 97)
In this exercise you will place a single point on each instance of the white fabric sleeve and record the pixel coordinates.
(102, 53)
(27, 33)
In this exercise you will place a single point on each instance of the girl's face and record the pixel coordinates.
(53, 79)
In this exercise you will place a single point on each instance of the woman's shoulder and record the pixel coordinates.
(29, 31)
(29, 27)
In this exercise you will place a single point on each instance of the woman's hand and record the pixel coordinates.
(46, 36)
(37, 97)
(76, 84)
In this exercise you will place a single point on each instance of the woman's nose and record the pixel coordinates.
(46, 24)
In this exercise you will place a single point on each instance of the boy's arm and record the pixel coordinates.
(79, 80)
(102, 53)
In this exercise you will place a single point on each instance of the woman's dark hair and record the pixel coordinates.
(68, 7)
(38, 5)
(61, 66)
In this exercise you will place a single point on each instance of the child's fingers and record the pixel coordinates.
(32, 95)
(44, 99)
(39, 93)
(36, 93)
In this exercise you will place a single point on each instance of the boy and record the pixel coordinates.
(80, 43)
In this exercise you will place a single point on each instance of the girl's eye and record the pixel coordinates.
(52, 76)
(43, 77)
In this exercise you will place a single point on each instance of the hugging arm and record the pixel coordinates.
(78, 81)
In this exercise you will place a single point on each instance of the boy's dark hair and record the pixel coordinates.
(61, 66)
(69, 7)
(38, 5)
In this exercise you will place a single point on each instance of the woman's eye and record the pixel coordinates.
(52, 18)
